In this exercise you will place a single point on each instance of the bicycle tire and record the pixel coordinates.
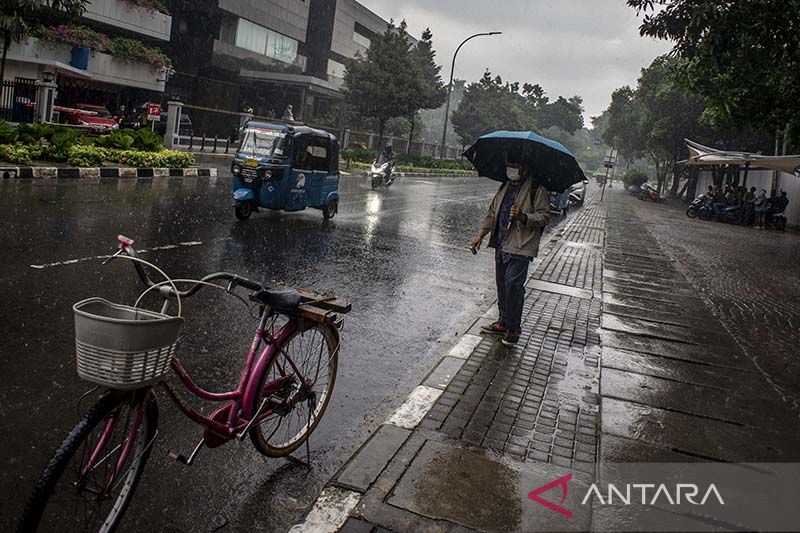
(262, 443)
(36, 506)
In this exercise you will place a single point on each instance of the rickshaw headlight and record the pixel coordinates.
(236, 169)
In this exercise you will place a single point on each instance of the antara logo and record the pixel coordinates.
(563, 484)
(628, 494)
(651, 494)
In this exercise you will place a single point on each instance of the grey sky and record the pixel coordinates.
(585, 47)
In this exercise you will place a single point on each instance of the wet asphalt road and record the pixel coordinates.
(399, 255)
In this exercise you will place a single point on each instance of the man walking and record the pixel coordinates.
(517, 216)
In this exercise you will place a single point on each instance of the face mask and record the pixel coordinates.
(512, 173)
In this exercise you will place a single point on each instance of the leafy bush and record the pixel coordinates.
(175, 159)
(134, 50)
(34, 133)
(8, 133)
(147, 140)
(119, 139)
(635, 177)
(86, 156)
(363, 155)
(135, 158)
(15, 153)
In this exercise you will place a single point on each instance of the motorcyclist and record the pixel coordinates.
(387, 156)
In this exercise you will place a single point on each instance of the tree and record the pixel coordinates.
(743, 58)
(671, 114)
(18, 16)
(490, 104)
(430, 92)
(654, 119)
(563, 113)
(382, 85)
(625, 124)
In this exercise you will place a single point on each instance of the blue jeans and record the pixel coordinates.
(511, 271)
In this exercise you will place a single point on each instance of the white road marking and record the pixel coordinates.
(330, 511)
(95, 257)
(415, 407)
(465, 346)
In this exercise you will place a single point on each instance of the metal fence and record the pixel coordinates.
(207, 130)
(17, 100)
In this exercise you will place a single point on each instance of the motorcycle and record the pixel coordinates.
(577, 194)
(381, 174)
(700, 207)
(648, 192)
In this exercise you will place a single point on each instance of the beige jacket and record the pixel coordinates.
(523, 238)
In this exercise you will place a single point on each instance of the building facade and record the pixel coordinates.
(265, 55)
(96, 71)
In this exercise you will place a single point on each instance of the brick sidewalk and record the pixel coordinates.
(619, 361)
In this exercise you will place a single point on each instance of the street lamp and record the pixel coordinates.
(450, 86)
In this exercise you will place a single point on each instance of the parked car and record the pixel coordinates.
(96, 117)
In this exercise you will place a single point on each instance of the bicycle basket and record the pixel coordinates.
(122, 347)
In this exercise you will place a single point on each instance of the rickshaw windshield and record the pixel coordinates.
(262, 143)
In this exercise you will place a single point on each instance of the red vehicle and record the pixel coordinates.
(96, 117)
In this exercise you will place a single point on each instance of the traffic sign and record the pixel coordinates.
(153, 112)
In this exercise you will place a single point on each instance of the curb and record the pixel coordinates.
(343, 492)
(101, 172)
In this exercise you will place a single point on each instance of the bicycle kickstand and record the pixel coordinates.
(183, 459)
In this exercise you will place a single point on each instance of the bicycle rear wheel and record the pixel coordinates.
(85, 486)
(300, 404)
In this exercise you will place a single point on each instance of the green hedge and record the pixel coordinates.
(46, 142)
(362, 155)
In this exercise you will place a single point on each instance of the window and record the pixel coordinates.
(251, 36)
(312, 153)
(362, 39)
(281, 47)
(260, 40)
(336, 69)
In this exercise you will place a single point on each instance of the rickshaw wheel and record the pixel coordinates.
(330, 209)
(243, 210)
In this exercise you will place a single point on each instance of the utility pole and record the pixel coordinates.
(443, 151)
(609, 162)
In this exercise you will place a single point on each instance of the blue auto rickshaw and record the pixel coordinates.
(285, 168)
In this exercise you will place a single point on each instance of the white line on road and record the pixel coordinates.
(415, 407)
(330, 511)
(92, 258)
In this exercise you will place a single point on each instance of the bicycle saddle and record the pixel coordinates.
(282, 300)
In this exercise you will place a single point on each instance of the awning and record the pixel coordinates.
(312, 83)
(700, 155)
(58, 66)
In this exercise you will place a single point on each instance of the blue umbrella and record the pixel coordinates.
(551, 164)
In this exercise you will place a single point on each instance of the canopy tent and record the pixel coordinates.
(700, 155)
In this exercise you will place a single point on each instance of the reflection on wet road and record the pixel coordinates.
(399, 255)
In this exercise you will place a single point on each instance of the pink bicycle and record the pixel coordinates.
(285, 385)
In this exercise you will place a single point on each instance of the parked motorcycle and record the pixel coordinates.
(700, 208)
(577, 194)
(381, 173)
(649, 193)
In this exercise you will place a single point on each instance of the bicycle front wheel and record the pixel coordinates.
(90, 480)
(306, 364)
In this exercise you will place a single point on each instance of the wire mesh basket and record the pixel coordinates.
(123, 347)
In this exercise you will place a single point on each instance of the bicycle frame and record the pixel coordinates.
(230, 420)
(222, 425)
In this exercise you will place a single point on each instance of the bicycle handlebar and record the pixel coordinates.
(126, 247)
